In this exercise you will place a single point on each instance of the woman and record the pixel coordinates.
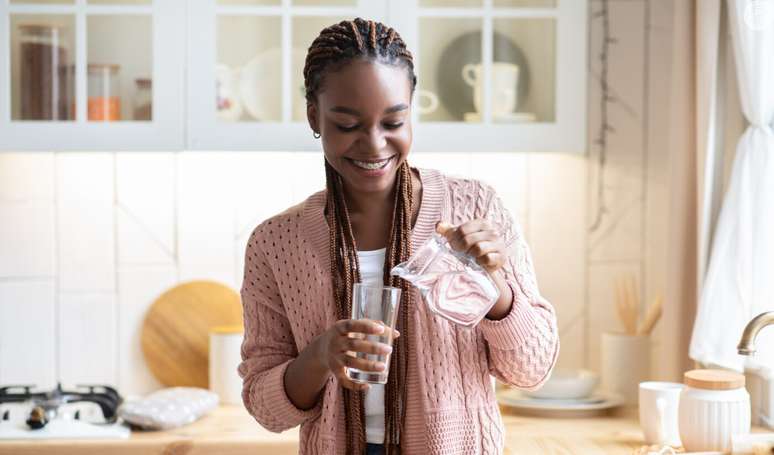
(300, 266)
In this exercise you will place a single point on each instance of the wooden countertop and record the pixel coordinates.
(230, 430)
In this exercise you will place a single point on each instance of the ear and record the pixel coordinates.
(312, 117)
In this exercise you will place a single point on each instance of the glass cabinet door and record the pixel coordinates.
(92, 74)
(497, 74)
(246, 86)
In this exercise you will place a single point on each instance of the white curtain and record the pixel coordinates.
(739, 281)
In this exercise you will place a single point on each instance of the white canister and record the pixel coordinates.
(225, 356)
(625, 363)
(714, 406)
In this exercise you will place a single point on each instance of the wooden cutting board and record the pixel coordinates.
(175, 332)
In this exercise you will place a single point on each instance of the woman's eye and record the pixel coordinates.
(346, 129)
(392, 126)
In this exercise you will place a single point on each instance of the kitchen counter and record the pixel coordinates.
(229, 430)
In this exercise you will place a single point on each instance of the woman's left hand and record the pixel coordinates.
(479, 239)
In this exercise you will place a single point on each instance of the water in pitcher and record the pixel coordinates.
(452, 284)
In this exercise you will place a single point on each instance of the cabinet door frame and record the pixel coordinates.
(566, 134)
(204, 131)
(164, 132)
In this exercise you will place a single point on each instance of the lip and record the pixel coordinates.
(372, 172)
(372, 160)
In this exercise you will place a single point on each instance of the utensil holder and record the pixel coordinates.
(625, 362)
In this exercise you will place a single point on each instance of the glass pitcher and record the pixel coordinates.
(451, 283)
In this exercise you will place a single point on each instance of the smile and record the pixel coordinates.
(371, 165)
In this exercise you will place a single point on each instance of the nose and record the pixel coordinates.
(374, 139)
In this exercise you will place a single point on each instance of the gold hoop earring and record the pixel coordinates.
(316, 135)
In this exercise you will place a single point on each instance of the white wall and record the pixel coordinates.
(89, 240)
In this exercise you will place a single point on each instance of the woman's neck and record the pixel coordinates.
(371, 214)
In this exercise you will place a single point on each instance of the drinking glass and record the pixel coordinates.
(379, 304)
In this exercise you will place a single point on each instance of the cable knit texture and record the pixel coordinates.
(288, 301)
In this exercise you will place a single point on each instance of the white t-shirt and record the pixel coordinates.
(371, 272)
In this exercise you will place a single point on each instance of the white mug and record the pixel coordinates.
(505, 77)
(659, 406)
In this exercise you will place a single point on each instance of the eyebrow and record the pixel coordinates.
(389, 110)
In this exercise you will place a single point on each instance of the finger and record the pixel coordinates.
(468, 228)
(365, 326)
(466, 243)
(347, 383)
(442, 227)
(491, 261)
(363, 364)
(367, 347)
(484, 247)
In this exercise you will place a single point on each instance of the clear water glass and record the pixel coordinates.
(379, 304)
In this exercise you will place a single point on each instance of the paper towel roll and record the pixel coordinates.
(225, 345)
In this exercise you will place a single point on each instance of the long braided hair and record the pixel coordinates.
(336, 46)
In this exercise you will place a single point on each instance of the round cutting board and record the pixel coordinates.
(175, 333)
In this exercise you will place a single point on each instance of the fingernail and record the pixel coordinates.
(387, 350)
(380, 366)
(379, 328)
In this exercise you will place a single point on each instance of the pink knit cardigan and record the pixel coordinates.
(451, 409)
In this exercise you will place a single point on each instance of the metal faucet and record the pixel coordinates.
(747, 343)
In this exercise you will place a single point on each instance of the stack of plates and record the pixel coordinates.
(566, 393)
(598, 403)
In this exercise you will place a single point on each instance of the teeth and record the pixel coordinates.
(372, 166)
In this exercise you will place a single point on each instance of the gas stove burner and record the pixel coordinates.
(47, 405)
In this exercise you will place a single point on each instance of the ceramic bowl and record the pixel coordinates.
(567, 384)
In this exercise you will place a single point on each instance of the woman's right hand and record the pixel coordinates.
(336, 344)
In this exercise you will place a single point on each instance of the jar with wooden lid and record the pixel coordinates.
(714, 406)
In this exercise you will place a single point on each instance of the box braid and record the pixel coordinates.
(336, 46)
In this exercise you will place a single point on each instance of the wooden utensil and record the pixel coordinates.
(652, 316)
(626, 306)
(175, 333)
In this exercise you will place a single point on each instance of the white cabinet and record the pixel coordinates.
(227, 74)
(92, 74)
(528, 93)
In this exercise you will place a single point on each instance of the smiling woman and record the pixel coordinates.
(301, 265)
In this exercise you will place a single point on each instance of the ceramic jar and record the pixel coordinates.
(714, 406)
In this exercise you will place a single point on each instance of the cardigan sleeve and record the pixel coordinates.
(268, 346)
(522, 348)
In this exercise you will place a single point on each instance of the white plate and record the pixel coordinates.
(260, 85)
(598, 404)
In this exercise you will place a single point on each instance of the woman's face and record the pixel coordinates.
(363, 112)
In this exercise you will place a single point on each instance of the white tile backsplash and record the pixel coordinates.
(86, 243)
(137, 244)
(27, 232)
(26, 176)
(138, 288)
(145, 193)
(28, 332)
(85, 178)
(87, 347)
